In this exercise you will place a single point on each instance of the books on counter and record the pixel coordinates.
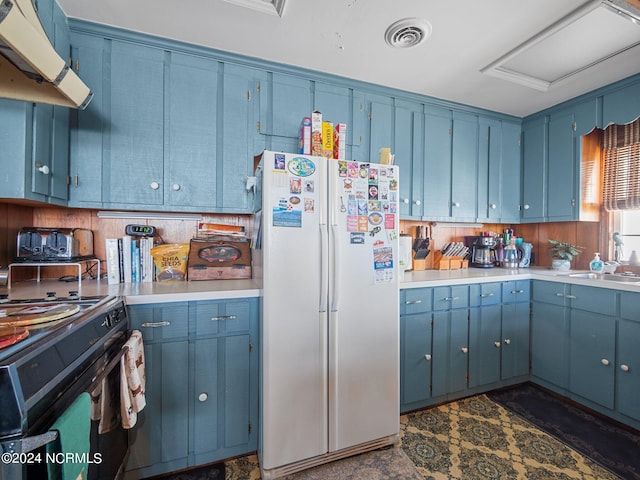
(129, 259)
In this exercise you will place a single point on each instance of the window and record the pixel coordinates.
(621, 185)
(628, 225)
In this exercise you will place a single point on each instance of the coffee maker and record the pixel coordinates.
(482, 254)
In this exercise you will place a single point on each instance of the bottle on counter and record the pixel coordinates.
(596, 265)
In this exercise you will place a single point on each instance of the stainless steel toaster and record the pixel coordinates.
(54, 244)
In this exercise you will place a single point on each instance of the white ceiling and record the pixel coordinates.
(346, 37)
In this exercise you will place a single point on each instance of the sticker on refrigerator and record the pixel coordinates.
(295, 185)
(301, 166)
(357, 238)
(373, 175)
(285, 214)
(278, 161)
(382, 262)
(309, 205)
(352, 169)
(342, 168)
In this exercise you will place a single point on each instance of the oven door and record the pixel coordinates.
(108, 451)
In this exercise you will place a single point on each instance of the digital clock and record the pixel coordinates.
(141, 230)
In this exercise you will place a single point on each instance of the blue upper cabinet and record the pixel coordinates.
(166, 130)
(133, 138)
(373, 119)
(464, 167)
(562, 164)
(510, 168)
(437, 162)
(622, 105)
(534, 170)
(451, 165)
(191, 146)
(408, 147)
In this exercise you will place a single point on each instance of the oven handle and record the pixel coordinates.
(95, 381)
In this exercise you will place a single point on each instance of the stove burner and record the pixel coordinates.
(51, 296)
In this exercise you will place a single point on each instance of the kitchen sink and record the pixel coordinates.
(626, 278)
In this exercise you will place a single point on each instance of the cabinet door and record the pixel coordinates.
(407, 148)
(415, 363)
(534, 171)
(562, 167)
(464, 167)
(437, 163)
(335, 103)
(628, 369)
(42, 126)
(284, 101)
(489, 170)
(485, 343)
(510, 180)
(515, 340)
(239, 137)
(592, 356)
(621, 106)
(549, 350)
(191, 167)
(160, 441)
(134, 135)
(381, 127)
(86, 126)
(458, 350)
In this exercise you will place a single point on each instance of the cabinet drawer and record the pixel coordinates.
(445, 298)
(160, 322)
(516, 292)
(482, 294)
(550, 292)
(593, 299)
(415, 300)
(215, 317)
(630, 305)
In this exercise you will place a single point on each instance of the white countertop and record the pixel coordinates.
(161, 292)
(434, 278)
(139, 293)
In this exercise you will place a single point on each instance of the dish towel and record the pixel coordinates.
(73, 428)
(104, 406)
(132, 380)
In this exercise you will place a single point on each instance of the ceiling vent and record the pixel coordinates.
(407, 32)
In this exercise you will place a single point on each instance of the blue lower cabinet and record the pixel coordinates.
(202, 384)
(415, 360)
(485, 328)
(450, 352)
(592, 347)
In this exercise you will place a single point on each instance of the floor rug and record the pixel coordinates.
(477, 439)
(215, 471)
(615, 448)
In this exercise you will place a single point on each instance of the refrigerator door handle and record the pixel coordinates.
(335, 304)
(324, 268)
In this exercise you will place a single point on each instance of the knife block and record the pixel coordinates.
(441, 262)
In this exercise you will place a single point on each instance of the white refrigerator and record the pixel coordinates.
(330, 321)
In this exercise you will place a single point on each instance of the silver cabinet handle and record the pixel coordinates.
(427, 357)
(493, 206)
(412, 302)
(418, 202)
(558, 294)
(507, 341)
(464, 350)
(405, 200)
(203, 397)
(449, 299)
(484, 295)
(604, 361)
(572, 297)
(497, 344)
(624, 368)
(224, 317)
(154, 185)
(517, 291)
(155, 324)
(175, 186)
